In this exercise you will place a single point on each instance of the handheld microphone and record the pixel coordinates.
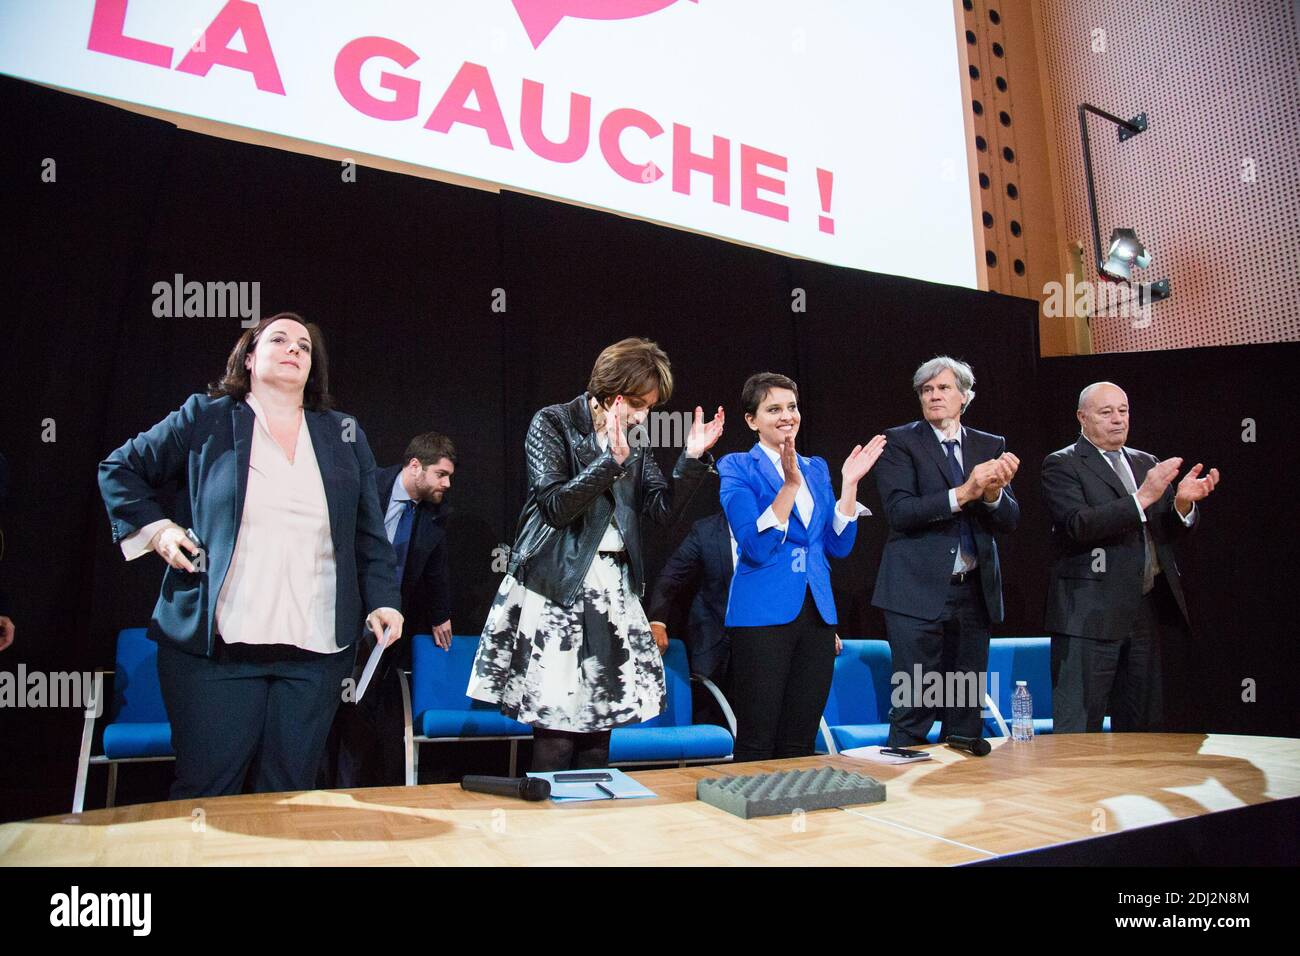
(524, 788)
(976, 746)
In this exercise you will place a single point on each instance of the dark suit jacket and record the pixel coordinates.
(702, 564)
(204, 447)
(1098, 551)
(426, 582)
(916, 566)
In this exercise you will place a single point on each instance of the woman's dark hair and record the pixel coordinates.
(631, 367)
(235, 383)
(759, 384)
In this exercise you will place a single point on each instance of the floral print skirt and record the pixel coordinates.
(587, 667)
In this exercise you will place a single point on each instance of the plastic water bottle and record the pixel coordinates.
(1022, 713)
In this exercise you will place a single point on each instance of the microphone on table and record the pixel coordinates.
(976, 746)
(525, 788)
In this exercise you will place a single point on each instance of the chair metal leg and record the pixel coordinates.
(87, 737)
(825, 730)
(727, 713)
(997, 716)
(112, 785)
(408, 742)
(514, 757)
(83, 766)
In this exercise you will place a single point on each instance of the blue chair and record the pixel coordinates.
(138, 730)
(671, 737)
(857, 708)
(1028, 659)
(436, 709)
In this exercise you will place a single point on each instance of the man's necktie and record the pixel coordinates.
(1149, 561)
(956, 476)
(402, 537)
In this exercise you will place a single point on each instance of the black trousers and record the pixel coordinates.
(252, 711)
(955, 648)
(1125, 679)
(780, 678)
(563, 750)
(366, 747)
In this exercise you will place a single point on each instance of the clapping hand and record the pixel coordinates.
(616, 430)
(704, 436)
(1194, 488)
(789, 463)
(861, 459)
(1002, 470)
(1157, 480)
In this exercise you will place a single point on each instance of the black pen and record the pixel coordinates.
(605, 789)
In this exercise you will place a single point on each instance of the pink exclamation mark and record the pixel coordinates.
(825, 182)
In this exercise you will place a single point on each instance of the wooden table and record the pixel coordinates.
(952, 809)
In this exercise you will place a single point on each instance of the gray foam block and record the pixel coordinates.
(771, 794)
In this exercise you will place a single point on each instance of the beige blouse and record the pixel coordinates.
(280, 588)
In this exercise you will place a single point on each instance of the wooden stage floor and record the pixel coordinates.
(954, 809)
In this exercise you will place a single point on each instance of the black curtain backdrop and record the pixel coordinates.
(403, 275)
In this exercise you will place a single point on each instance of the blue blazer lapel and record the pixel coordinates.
(764, 466)
(324, 437)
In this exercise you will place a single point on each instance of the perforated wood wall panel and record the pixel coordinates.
(1017, 217)
(1213, 186)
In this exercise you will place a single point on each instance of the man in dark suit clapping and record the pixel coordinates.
(946, 490)
(1114, 584)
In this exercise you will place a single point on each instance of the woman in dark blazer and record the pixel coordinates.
(567, 647)
(785, 518)
(259, 609)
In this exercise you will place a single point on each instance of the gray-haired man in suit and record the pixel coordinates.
(1115, 595)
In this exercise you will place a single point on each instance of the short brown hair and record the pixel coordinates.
(430, 448)
(631, 367)
(236, 382)
(759, 384)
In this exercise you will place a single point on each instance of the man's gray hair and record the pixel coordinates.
(964, 373)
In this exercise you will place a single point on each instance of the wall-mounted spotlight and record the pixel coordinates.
(1125, 250)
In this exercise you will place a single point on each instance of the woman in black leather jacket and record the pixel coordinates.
(567, 647)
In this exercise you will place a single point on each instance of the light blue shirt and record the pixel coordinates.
(396, 504)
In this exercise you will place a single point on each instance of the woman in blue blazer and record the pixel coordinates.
(785, 518)
(277, 552)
